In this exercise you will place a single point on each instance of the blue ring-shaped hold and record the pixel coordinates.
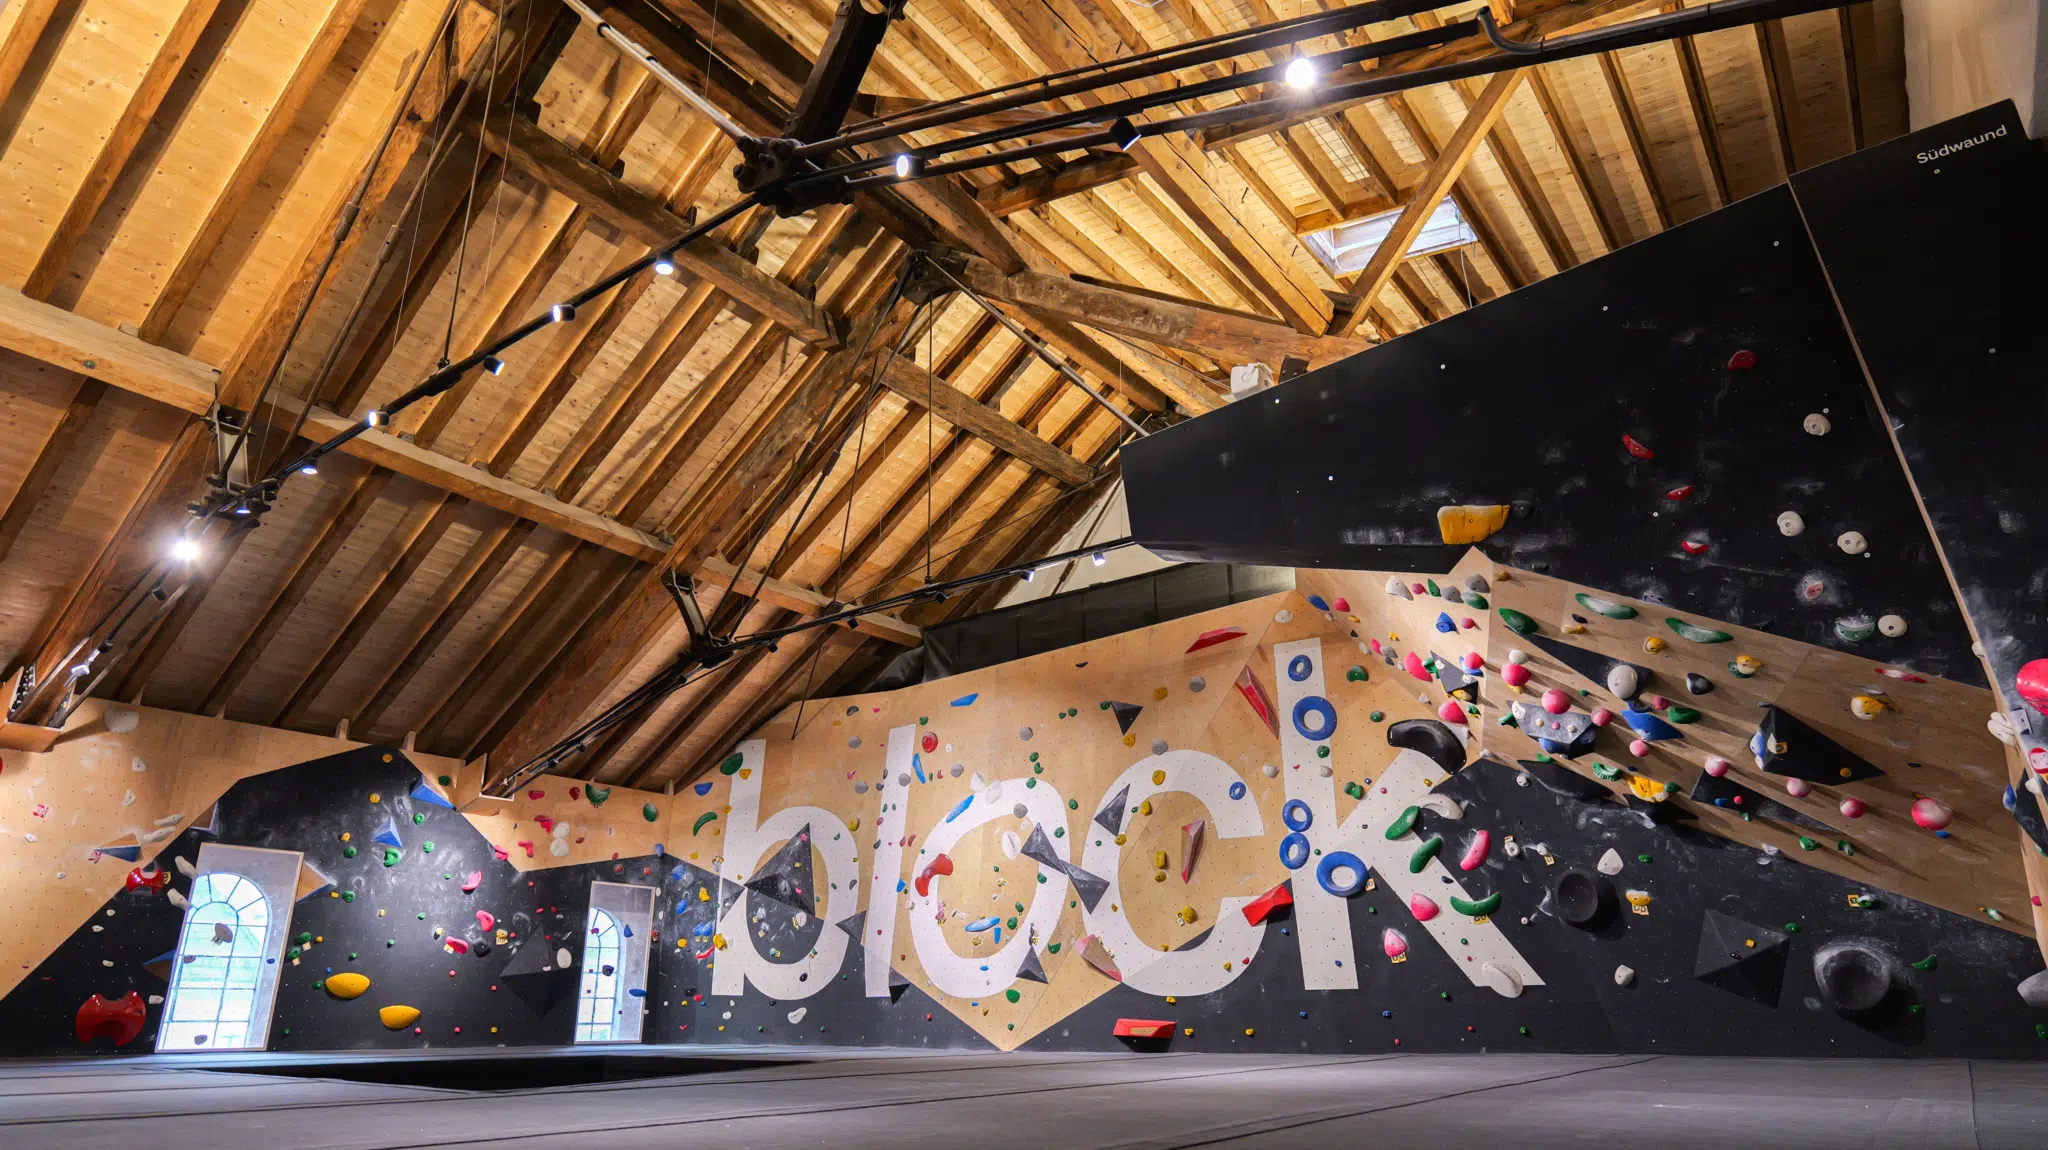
(1294, 851)
(1330, 863)
(1299, 668)
(1237, 789)
(1296, 815)
(1318, 705)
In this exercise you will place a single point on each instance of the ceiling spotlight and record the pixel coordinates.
(494, 365)
(309, 469)
(375, 418)
(562, 312)
(1098, 558)
(185, 550)
(1301, 73)
(241, 509)
(1028, 574)
(663, 265)
(908, 166)
(1123, 133)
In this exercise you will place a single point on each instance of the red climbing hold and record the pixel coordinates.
(1254, 694)
(1742, 360)
(1679, 494)
(536, 796)
(1636, 448)
(1375, 646)
(1693, 547)
(1450, 712)
(1413, 665)
(1474, 660)
(1211, 638)
(1261, 908)
(1556, 701)
(938, 866)
(1340, 603)
(930, 742)
(151, 878)
(2032, 682)
(525, 845)
(1143, 1028)
(575, 793)
(119, 1019)
(1515, 675)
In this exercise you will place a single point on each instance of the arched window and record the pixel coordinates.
(218, 975)
(598, 1002)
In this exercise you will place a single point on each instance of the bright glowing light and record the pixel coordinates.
(375, 418)
(1098, 558)
(903, 166)
(664, 266)
(1301, 73)
(562, 312)
(310, 469)
(185, 550)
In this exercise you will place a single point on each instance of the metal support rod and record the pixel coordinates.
(1045, 353)
(695, 99)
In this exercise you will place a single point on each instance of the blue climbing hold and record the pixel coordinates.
(703, 788)
(1237, 789)
(423, 793)
(1300, 667)
(1650, 727)
(1335, 861)
(1317, 602)
(981, 924)
(960, 808)
(389, 835)
(1294, 851)
(1296, 815)
(1316, 705)
(1444, 624)
(917, 764)
(967, 700)
(637, 992)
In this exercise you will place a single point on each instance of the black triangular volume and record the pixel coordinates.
(2026, 810)
(1032, 970)
(1038, 848)
(1741, 958)
(853, 924)
(1590, 664)
(787, 877)
(1566, 781)
(1726, 793)
(1088, 886)
(897, 985)
(1453, 676)
(1126, 714)
(540, 990)
(1111, 816)
(1783, 745)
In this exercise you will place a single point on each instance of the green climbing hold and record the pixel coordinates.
(1403, 823)
(1679, 714)
(1607, 772)
(1476, 602)
(648, 812)
(1843, 846)
(1791, 928)
(1073, 804)
(1354, 790)
(1696, 634)
(1807, 844)
(390, 857)
(598, 796)
(1012, 995)
(1038, 768)
(419, 818)
(732, 764)
(1103, 705)
(1030, 783)
(1642, 858)
(1607, 607)
(427, 848)
(1915, 1008)
(348, 896)
(1517, 622)
(1356, 674)
(1427, 851)
(1052, 948)
(1377, 716)
(923, 719)
(1477, 908)
(1322, 752)
(348, 852)
(706, 817)
(1507, 719)
(1434, 589)
(1927, 963)
(445, 781)
(1011, 925)
(1034, 756)
(1059, 832)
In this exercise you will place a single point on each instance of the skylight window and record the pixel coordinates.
(1346, 248)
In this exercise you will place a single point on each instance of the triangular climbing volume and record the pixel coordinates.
(1126, 714)
(787, 876)
(1741, 958)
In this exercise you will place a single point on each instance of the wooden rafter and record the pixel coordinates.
(1706, 126)
(1582, 169)
(1625, 106)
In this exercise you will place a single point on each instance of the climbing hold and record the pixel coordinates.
(1476, 850)
(1716, 766)
(1745, 666)
(1095, 954)
(1356, 675)
(1477, 908)
(1450, 712)
(1556, 702)
(940, 865)
(1425, 852)
(1867, 706)
(1679, 494)
(1395, 944)
(1190, 846)
(1143, 1028)
(1930, 814)
(1415, 667)
(1517, 622)
(1444, 624)
(1341, 873)
(1855, 628)
(398, 1017)
(1402, 824)
(1298, 817)
(1695, 634)
(1602, 716)
(1790, 523)
(1470, 523)
(1266, 905)
(1698, 684)
(1852, 808)
(1583, 900)
(1505, 981)
(1610, 863)
(1816, 424)
(347, 984)
(1320, 707)
(1294, 851)
(1635, 448)
(1681, 715)
(119, 1019)
(1852, 978)
(2031, 683)
(1515, 675)
(1397, 588)
(1607, 607)
(706, 817)
(1624, 975)
(1423, 907)
(1693, 546)
(1852, 542)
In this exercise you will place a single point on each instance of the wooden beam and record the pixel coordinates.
(1233, 336)
(625, 589)
(539, 601)
(1046, 185)
(716, 394)
(247, 174)
(949, 403)
(21, 27)
(1434, 186)
(1777, 65)
(1705, 126)
(1631, 116)
(648, 221)
(78, 344)
(296, 587)
(781, 593)
(216, 553)
(1852, 80)
(56, 447)
(1508, 260)
(1582, 174)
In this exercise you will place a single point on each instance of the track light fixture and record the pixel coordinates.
(494, 365)
(1301, 73)
(375, 418)
(562, 312)
(664, 265)
(908, 166)
(1123, 133)
(185, 550)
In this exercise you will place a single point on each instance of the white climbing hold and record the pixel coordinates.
(1398, 589)
(122, 720)
(1623, 681)
(797, 1015)
(1852, 542)
(2034, 988)
(1521, 780)
(1442, 805)
(184, 866)
(559, 848)
(1011, 845)
(2000, 726)
(1517, 656)
(563, 958)
(1270, 771)
(1283, 616)
(1891, 626)
(1790, 523)
(1505, 982)
(177, 900)
(1817, 424)
(1610, 863)
(1511, 848)
(978, 783)
(128, 798)
(1624, 975)
(1325, 771)
(137, 765)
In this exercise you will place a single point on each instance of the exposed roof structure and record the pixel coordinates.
(297, 208)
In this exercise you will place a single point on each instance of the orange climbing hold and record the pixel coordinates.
(938, 866)
(1143, 1028)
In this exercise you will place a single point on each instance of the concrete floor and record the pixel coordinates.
(990, 1101)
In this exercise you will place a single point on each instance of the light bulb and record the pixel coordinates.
(185, 550)
(664, 266)
(494, 365)
(1301, 73)
(906, 165)
(562, 312)
(1098, 558)
(375, 418)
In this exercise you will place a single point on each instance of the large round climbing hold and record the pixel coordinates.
(1852, 808)
(1296, 815)
(1584, 900)
(398, 1017)
(2032, 684)
(1294, 851)
(347, 984)
(1300, 668)
(1853, 978)
(1326, 714)
(1341, 873)
(1515, 675)
(1556, 701)
(1930, 814)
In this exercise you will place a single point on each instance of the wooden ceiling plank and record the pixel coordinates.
(1706, 128)
(21, 25)
(1436, 183)
(537, 602)
(1508, 259)
(435, 623)
(766, 701)
(369, 611)
(949, 403)
(250, 167)
(1046, 185)
(1852, 83)
(526, 413)
(1582, 175)
(800, 600)
(1776, 61)
(722, 388)
(56, 446)
(1526, 190)
(142, 662)
(1631, 114)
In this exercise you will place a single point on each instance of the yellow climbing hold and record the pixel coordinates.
(1248, 1032)
(1158, 860)
(1470, 522)
(1653, 644)
(1130, 740)
(375, 797)
(1145, 808)
(1647, 789)
(1158, 777)
(1158, 693)
(1187, 915)
(347, 984)
(398, 1017)
(1120, 839)
(1867, 706)
(1170, 1000)
(718, 941)
(853, 824)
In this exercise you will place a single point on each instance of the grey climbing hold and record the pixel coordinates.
(1111, 816)
(2034, 989)
(1852, 977)
(1159, 746)
(1477, 583)
(1610, 863)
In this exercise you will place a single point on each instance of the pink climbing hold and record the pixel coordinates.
(525, 845)
(1414, 667)
(1340, 603)
(1798, 788)
(1556, 701)
(1418, 588)
(1515, 675)
(1658, 702)
(1423, 907)
(500, 853)
(1450, 712)
(486, 920)
(546, 823)
(1602, 716)
(938, 866)
(459, 946)
(1638, 748)
(2032, 683)
(1930, 814)
(1679, 494)
(1375, 646)
(1469, 623)
(1394, 943)
(1742, 360)
(1853, 808)
(1190, 846)
(1474, 660)
(1636, 448)
(1475, 851)
(1716, 766)
(536, 796)
(472, 881)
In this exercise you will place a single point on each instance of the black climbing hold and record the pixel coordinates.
(2026, 810)
(787, 877)
(1126, 714)
(1852, 977)
(1741, 958)
(533, 976)
(898, 984)
(1111, 816)
(853, 924)
(1698, 684)
(1584, 900)
(1430, 737)
(1783, 745)
(1032, 970)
